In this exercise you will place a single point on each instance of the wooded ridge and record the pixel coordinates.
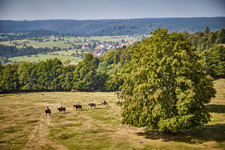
(115, 26)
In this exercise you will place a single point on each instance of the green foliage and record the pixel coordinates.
(12, 51)
(85, 75)
(109, 56)
(48, 73)
(9, 81)
(112, 62)
(66, 78)
(214, 61)
(27, 76)
(113, 83)
(206, 40)
(102, 67)
(208, 45)
(206, 31)
(67, 62)
(1, 78)
(166, 88)
(221, 36)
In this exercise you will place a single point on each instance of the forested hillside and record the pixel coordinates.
(114, 26)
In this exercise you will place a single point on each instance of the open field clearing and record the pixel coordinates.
(49, 44)
(24, 125)
(114, 38)
(69, 52)
(40, 57)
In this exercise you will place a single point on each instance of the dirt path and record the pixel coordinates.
(38, 139)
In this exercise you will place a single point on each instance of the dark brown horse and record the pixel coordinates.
(78, 107)
(104, 103)
(48, 111)
(62, 109)
(92, 105)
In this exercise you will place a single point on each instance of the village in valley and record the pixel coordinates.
(100, 47)
(71, 48)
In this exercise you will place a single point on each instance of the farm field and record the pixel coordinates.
(24, 124)
(50, 44)
(114, 38)
(75, 40)
(69, 52)
(42, 57)
(36, 44)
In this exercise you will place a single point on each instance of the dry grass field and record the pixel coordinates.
(24, 125)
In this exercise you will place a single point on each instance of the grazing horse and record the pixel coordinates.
(92, 105)
(48, 111)
(78, 106)
(104, 103)
(62, 109)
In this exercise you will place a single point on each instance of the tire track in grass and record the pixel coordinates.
(39, 137)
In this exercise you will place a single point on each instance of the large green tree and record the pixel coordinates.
(165, 87)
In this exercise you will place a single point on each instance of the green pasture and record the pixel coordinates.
(49, 44)
(113, 38)
(8, 43)
(42, 57)
(69, 52)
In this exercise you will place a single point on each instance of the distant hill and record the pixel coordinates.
(115, 26)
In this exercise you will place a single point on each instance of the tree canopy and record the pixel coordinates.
(166, 88)
(85, 75)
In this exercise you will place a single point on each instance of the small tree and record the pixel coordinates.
(67, 62)
(165, 87)
(206, 31)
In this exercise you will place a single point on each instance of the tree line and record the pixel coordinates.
(210, 46)
(113, 26)
(90, 74)
(13, 51)
(24, 35)
(51, 75)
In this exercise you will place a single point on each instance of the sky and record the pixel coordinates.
(108, 9)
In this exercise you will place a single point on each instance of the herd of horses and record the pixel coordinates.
(78, 107)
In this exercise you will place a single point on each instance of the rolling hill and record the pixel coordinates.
(114, 26)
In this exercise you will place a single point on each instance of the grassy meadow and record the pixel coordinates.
(43, 57)
(24, 125)
(36, 44)
(49, 44)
